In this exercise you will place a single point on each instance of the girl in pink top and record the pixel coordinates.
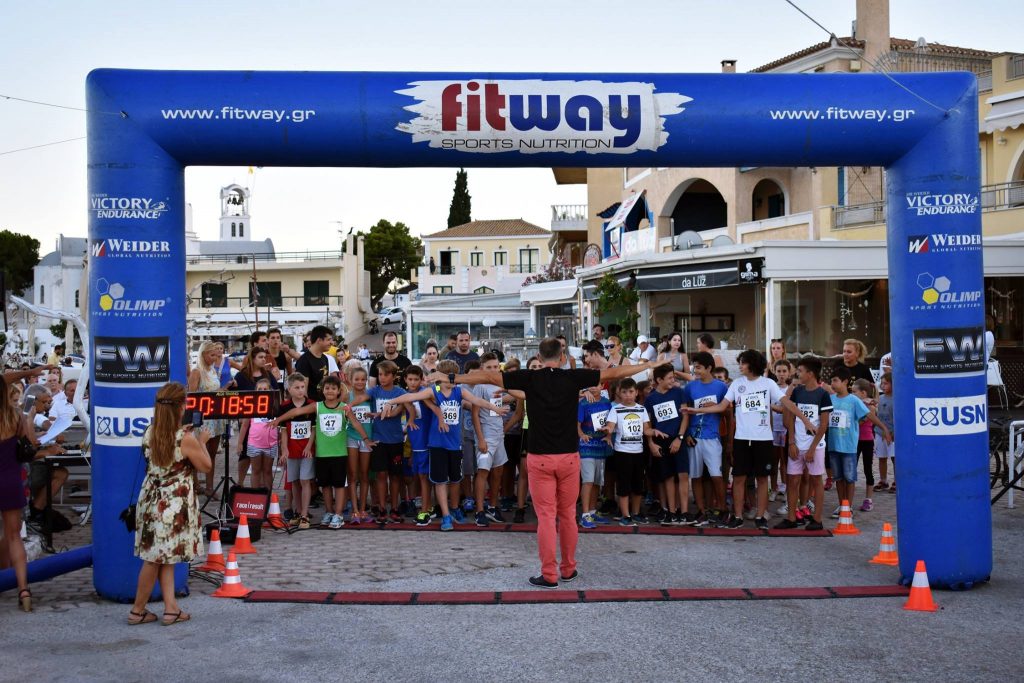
(261, 445)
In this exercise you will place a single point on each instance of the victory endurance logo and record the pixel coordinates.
(533, 115)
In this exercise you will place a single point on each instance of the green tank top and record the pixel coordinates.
(362, 412)
(331, 436)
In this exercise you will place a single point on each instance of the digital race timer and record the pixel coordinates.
(216, 405)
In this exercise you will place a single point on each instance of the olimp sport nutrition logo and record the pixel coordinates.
(939, 293)
(114, 301)
(533, 115)
(107, 206)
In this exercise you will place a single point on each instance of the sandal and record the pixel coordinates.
(179, 616)
(25, 600)
(135, 618)
(882, 486)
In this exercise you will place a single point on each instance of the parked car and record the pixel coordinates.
(388, 316)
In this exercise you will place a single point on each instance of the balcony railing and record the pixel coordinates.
(280, 257)
(568, 217)
(994, 197)
(524, 268)
(240, 302)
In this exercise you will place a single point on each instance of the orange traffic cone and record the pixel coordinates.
(243, 546)
(232, 586)
(920, 599)
(887, 548)
(274, 518)
(215, 555)
(846, 526)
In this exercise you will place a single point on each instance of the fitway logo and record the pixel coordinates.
(105, 206)
(930, 204)
(121, 426)
(131, 360)
(949, 351)
(938, 243)
(948, 416)
(113, 302)
(937, 293)
(532, 116)
(113, 248)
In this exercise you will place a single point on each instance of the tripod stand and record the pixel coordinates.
(225, 482)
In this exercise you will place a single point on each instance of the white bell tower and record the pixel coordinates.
(235, 222)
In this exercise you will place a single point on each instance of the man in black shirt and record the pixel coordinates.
(552, 398)
(313, 363)
(390, 353)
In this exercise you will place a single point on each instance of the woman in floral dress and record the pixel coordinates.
(168, 526)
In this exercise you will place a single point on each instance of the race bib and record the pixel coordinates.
(300, 430)
(706, 401)
(362, 413)
(665, 411)
(754, 403)
(496, 402)
(330, 424)
(604, 393)
(381, 403)
(450, 413)
(839, 419)
(809, 410)
(632, 429)
(419, 412)
(599, 420)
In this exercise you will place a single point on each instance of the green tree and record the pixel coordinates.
(20, 255)
(614, 299)
(460, 211)
(390, 253)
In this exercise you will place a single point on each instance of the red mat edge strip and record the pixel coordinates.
(640, 531)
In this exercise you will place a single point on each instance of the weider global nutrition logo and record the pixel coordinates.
(116, 248)
(532, 115)
(106, 206)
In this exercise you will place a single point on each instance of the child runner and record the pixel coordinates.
(806, 444)
(294, 455)
(703, 445)
(358, 446)
(261, 444)
(783, 373)
(753, 395)
(843, 431)
(424, 411)
(671, 462)
(628, 424)
(329, 441)
(865, 391)
(884, 450)
(590, 417)
(386, 458)
(445, 438)
(469, 451)
(490, 445)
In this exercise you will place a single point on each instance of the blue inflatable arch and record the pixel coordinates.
(145, 127)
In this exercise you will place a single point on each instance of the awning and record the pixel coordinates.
(689, 277)
(623, 214)
(1007, 112)
(547, 292)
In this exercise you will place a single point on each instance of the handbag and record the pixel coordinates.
(128, 514)
(24, 451)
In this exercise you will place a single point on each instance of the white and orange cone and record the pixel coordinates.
(232, 586)
(215, 555)
(886, 548)
(846, 526)
(274, 517)
(920, 599)
(243, 545)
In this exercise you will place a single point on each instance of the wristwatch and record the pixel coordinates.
(680, 436)
(451, 377)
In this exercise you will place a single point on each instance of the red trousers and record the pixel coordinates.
(555, 487)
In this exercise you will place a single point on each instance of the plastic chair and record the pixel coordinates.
(995, 380)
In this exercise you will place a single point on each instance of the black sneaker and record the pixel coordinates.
(814, 526)
(494, 514)
(787, 524)
(520, 516)
(734, 522)
(761, 523)
(641, 519)
(481, 519)
(701, 520)
(541, 582)
(664, 518)
(572, 577)
(690, 519)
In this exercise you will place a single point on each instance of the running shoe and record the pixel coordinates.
(520, 516)
(507, 504)
(446, 523)
(626, 521)
(458, 516)
(734, 522)
(337, 522)
(664, 518)
(749, 514)
(784, 510)
(469, 504)
(600, 519)
(787, 524)
(701, 520)
(814, 526)
(572, 577)
(867, 505)
(835, 513)
(809, 505)
(481, 519)
(395, 517)
(772, 494)
(435, 512)
(761, 523)
(541, 582)
(640, 519)
(303, 523)
(423, 519)
(494, 514)
(882, 486)
(326, 519)
(690, 519)
(587, 522)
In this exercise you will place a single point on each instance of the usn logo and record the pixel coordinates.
(937, 293)
(946, 416)
(122, 426)
(113, 302)
(105, 206)
(532, 115)
(114, 248)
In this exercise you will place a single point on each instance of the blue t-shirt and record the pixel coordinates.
(451, 412)
(425, 422)
(389, 430)
(664, 410)
(590, 415)
(698, 394)
(844, 423)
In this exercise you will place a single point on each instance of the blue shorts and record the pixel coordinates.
(420, 462)
(844, 466)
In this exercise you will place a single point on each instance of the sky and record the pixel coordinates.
(48, 48)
